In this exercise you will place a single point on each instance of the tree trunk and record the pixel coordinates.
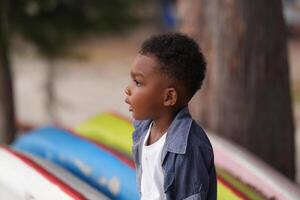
(249, 90)
(195, 18)
(7, 117)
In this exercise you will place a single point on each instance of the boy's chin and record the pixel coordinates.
(138, 117)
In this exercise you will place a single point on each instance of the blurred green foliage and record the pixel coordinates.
(53, 24)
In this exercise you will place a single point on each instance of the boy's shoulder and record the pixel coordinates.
(198, 137)
(199, 141)
(198, 149)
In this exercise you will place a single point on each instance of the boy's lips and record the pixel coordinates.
(130, 107)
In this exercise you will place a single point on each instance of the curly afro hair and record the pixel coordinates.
(180, 58)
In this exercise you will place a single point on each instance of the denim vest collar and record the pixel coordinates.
(178, 132)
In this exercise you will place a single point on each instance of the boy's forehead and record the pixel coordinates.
(144, 64)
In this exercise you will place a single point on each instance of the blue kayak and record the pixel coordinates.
(84, 159)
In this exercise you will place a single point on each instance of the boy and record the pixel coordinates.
(173, 156)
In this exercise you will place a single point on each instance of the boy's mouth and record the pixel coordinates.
(130, 107)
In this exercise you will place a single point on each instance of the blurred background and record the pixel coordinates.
(63, 61)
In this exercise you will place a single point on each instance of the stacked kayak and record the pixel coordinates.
(98, 151)
(27, 177)
(109, 129)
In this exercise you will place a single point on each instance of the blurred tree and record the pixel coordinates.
(53, 25)
(195, 17)
(247, 98)
(7, 117)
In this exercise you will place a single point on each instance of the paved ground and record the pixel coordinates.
(91, 85)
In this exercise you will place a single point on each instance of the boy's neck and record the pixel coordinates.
(160, 126)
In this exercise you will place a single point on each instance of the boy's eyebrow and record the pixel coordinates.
(136, 74)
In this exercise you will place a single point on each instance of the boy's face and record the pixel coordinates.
(145, 93)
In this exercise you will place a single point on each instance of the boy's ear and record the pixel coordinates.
(171, 97)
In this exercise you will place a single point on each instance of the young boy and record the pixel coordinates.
(173, 156)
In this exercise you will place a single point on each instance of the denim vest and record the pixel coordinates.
(187, 159)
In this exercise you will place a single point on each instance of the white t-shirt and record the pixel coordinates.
(152, 182)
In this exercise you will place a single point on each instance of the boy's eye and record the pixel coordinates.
(137, 83)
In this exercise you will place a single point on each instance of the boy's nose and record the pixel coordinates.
(127, 91)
